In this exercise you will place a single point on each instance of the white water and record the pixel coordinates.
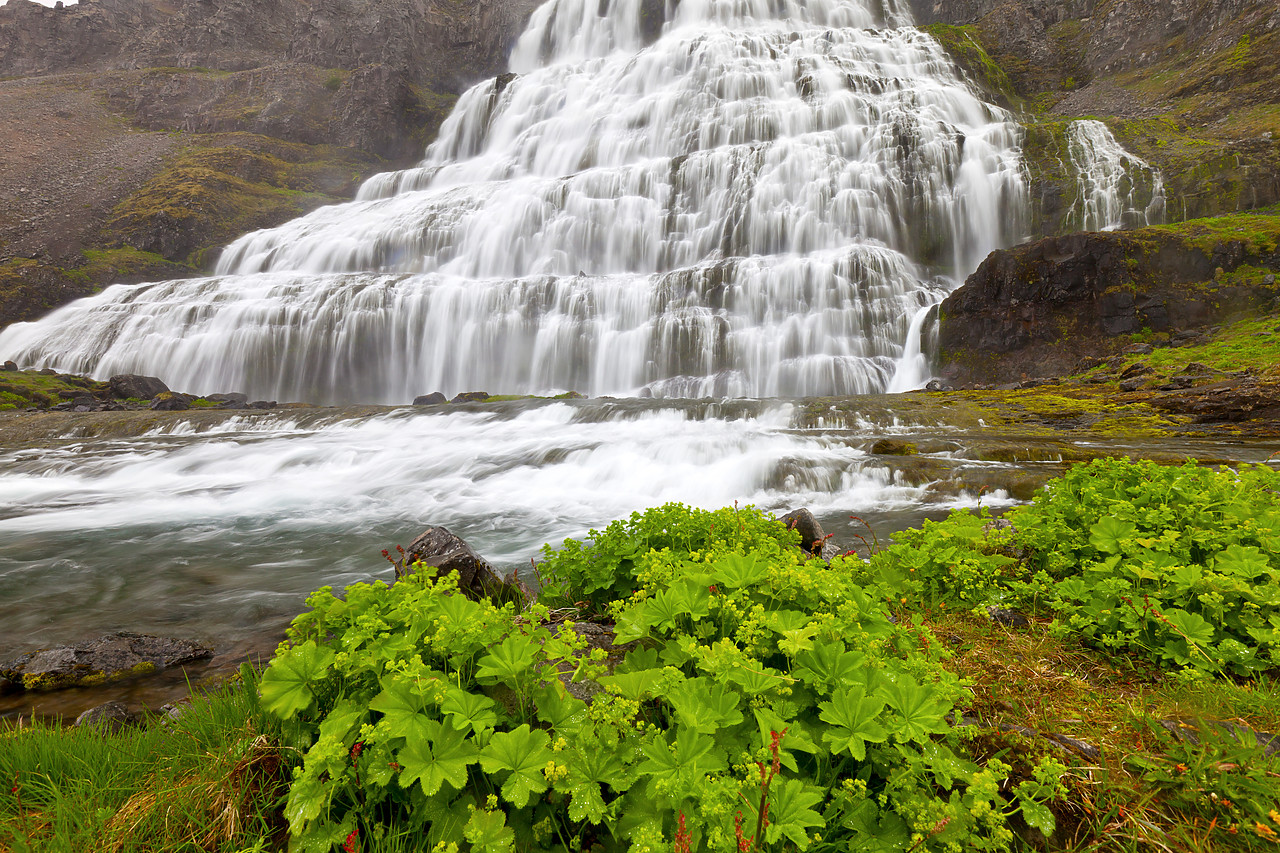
(221, 532)
(757, 204)
(1115, 188)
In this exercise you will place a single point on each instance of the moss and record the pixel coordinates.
(207, 196)
(964, 46)
(1258, 233)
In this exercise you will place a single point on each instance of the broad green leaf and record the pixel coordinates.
(557, 707)
(287, 685)
(852, 715)
(588, 770)
(488, 832)
(791, 812)
(693, 755)
(467, 710)
(633, 685)
(1243, 561)
(738, 570)
(920, 712)
(1110, 534)
(705, 706)
(1037, 815)
(508, 661)
(828, 665)
(755, 681)
(524, 753)
(1194, 628)
(407, 707)
(442, 757)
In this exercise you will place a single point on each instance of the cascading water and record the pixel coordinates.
(757, 203)
(1115, 188)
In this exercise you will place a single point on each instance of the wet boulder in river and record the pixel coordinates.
(133, 386)
(437, 549)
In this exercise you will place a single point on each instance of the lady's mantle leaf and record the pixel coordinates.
(286, 685)
(441, 757)
(524, 753)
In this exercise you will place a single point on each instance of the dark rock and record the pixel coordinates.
(813, 540)
(132, 386)
(168, 401)
(233, 400)
(433, 399)
(471, 397)
(113, 717)
(439, 549)
(10, 366)
(935, 385)
(1062, 742)
(1137, 369)
(1134, 384)
(110, 658)
(1138, 349)
(262, 404)
(1008, 618)
(894, 447)
(1193, 732)
(47, 371)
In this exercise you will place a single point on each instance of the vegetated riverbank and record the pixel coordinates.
(1103, 705)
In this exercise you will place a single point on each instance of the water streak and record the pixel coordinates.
(1116, 189)
(755, 200)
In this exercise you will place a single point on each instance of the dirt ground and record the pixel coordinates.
(65, 162)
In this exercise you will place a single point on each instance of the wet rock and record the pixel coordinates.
(1062, 742)
(894, 447)
(1139, 368)
(1134, 384)
(936, 385)
(813, 540)
(113, 717)
(1008, 618)
(10, 366)
(47, 371)
(262, 404)
(1138, 349)
(439, 549)
(234, 400)
(433, 399)
(133, 386)
(1193, 731)
(111, 658)
(471, 397)
(168, 401)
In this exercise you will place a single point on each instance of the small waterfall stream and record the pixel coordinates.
(1115, 188)
(758, 203)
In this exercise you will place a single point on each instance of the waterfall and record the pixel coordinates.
(755, 199)
(1115, 188)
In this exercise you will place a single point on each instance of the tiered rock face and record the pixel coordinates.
(1041, 309)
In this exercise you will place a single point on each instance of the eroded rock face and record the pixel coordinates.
(1036, 310)
(132, 385)
(111, 658)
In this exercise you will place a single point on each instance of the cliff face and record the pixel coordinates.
(1042, 308)
(140, 135)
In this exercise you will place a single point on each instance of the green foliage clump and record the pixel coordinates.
(602, 568)
(764, 702)
(1178, 564)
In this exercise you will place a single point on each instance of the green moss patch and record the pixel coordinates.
(964, 46)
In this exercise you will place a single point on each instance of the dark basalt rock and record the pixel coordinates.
(471, 397)
(168, 401)
(133, 386)
(229, 401)
(113, 717)
(111, 658)
(433, 399)
(1193, 732)
(438, 549)
(813, 539)
(1008, 618)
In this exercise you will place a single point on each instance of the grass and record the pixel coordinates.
(210, 780)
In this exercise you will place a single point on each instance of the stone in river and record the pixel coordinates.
(439, 549)
(111, 658)
(132, 386)
(433, 399)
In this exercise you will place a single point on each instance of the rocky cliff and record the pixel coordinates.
(140, 135)
(1046, 308)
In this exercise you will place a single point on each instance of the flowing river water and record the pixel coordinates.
(761, 203)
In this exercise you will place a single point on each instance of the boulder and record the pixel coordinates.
(111, 658)
(812, 538)
(438, 549)
(471, 397)
(168, 401)
(433, 399)
(10, 366)
(113, 717)
(133, 386)
(229, 401)
(262, 404)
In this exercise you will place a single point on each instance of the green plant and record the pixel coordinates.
(758, 690)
